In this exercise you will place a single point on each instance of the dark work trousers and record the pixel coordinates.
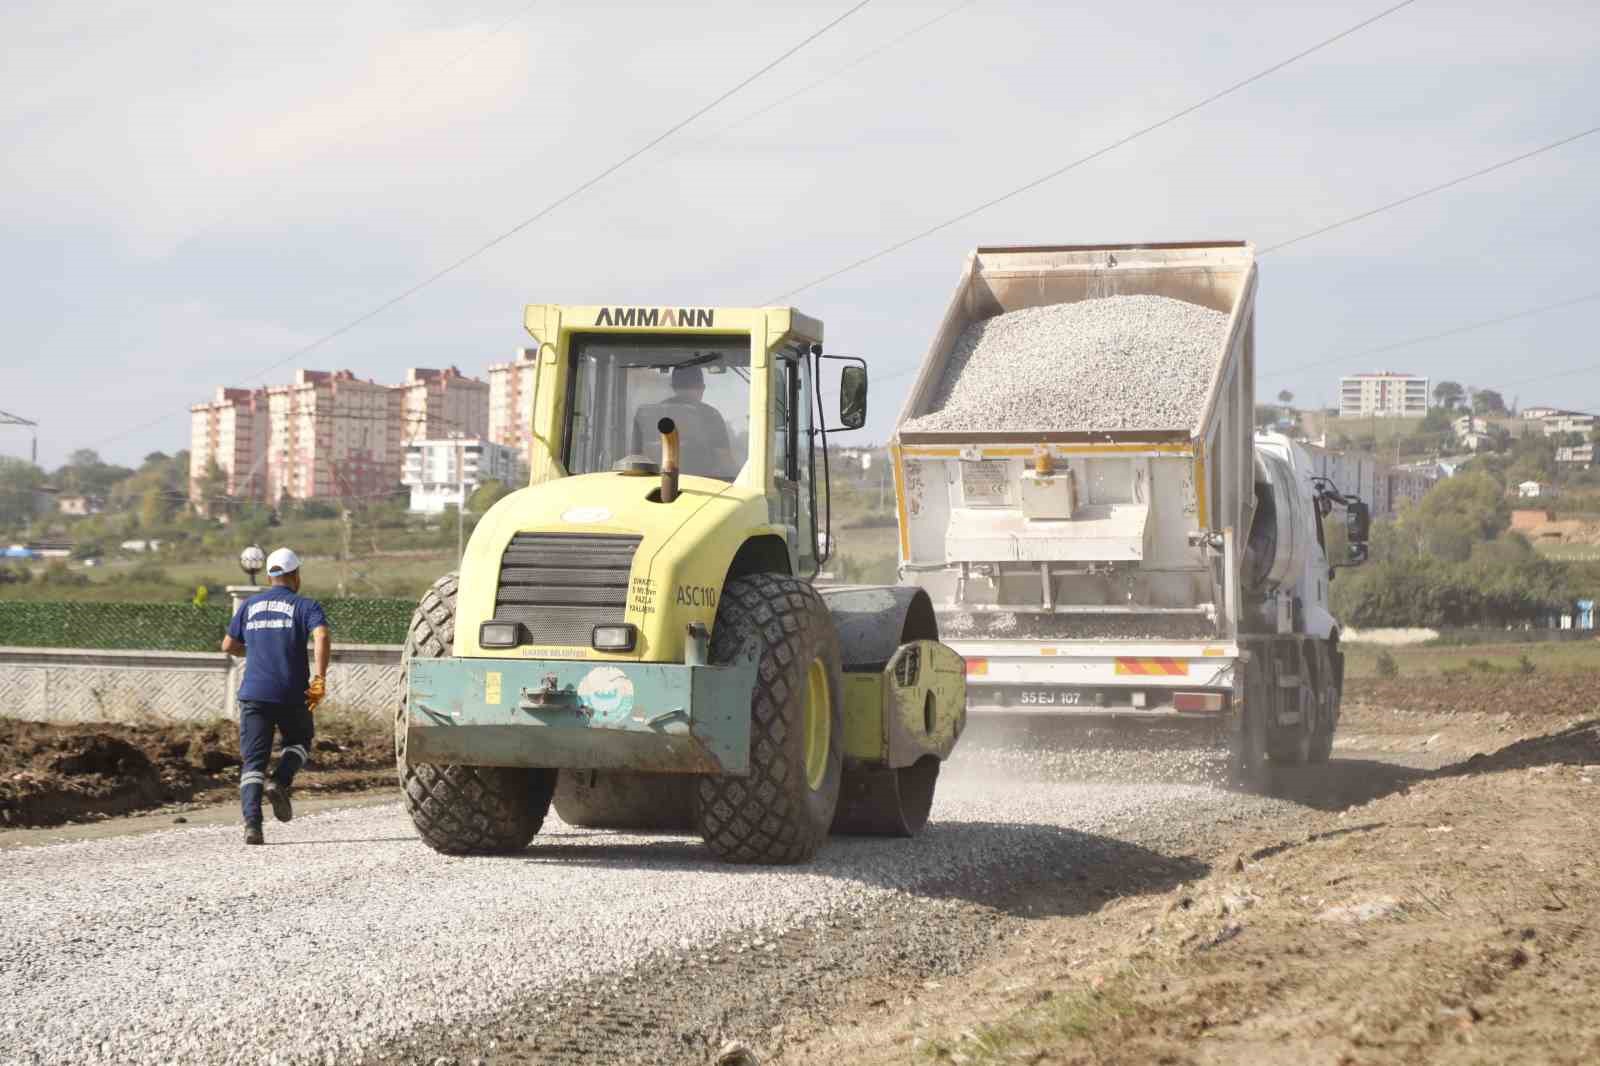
(257, 721)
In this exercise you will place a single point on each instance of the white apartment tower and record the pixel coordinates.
(1383, 395)
(445, 472)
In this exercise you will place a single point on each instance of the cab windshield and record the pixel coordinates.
(624, 384)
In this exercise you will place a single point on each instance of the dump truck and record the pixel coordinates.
(1092, 547)
(634, 637)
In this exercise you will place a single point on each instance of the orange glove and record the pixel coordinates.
(316, 693)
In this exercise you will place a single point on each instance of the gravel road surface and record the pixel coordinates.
(346, 935)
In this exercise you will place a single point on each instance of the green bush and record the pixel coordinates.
(178, 626)
(1386, 667)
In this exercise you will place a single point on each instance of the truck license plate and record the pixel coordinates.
(1049, 697)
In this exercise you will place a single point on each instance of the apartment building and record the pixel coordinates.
(230, 430)
(441, 403)
(1563, 422)
(332, 436)
(445, 471)
(1579, 457)
(511, 388)
(1383, 395)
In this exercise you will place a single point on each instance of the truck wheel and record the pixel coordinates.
(1290, 745)
(617, 799)
(460, 810)
(1327, 692)
(781, 812)
(1249, 749)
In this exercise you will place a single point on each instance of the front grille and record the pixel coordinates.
(561, 585)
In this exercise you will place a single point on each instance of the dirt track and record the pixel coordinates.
(55, 774)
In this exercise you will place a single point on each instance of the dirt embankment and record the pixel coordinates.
(1448, 916)
(50, 774)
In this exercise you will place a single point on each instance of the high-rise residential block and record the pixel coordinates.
(511, 388)
(1383, 395)
(443, 403)
(231, 430)
(333, 436)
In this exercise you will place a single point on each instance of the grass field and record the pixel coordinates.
(1423, 660)
(1571, 553)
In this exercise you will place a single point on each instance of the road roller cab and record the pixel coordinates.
(635, 637)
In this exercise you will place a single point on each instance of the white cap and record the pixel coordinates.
(283, 561)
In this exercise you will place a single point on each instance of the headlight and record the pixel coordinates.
(500, 634)
(613, 638)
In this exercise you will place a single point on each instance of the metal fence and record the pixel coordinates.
(178, 627)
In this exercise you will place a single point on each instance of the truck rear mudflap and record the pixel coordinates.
(653, 717)
(1175, 681)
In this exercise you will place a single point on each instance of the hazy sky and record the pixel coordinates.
(192, 191)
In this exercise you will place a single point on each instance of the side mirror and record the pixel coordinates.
(1357, 529)
(853, 397)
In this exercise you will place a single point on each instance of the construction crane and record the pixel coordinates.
(8, 419)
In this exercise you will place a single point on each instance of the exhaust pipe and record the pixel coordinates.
(669, 459)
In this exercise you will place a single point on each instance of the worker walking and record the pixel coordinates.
(279, 691)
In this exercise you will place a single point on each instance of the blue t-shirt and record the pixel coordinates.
(274, 626)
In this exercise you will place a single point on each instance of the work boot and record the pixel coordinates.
(252, 835)
(278, 796)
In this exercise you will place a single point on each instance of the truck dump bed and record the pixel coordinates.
(1055, 501)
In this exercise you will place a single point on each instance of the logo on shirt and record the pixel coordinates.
(699, 317)
(270, 608)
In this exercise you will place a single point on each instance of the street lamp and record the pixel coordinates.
(252, 560)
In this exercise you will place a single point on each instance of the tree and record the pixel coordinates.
(1285, 397)
(1447, 394)
(1437, 420)
(1488, 402)
(154, 508)
(1455, 515)
(19, 484)
(487, 495)
(212, 486)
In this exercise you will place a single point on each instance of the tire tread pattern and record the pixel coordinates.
(463, 810)
(771, 816)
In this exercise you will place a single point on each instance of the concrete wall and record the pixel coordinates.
(75, 685)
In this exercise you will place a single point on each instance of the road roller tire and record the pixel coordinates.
(461, 810)
(781, 811)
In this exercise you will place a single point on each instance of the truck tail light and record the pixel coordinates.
(977, 667)
(1198, 701)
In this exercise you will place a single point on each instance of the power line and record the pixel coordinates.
(870, 53)
(555, 204)
(1426, 338)
(506, 235)
(1082, 160)
(1389, 206)
(1427, 192)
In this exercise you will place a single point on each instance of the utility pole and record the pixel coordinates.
(461, 507)
(7, 419)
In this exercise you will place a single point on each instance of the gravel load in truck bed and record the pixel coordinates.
(1120, 362)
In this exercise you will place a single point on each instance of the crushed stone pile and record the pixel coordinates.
(1119, 362)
